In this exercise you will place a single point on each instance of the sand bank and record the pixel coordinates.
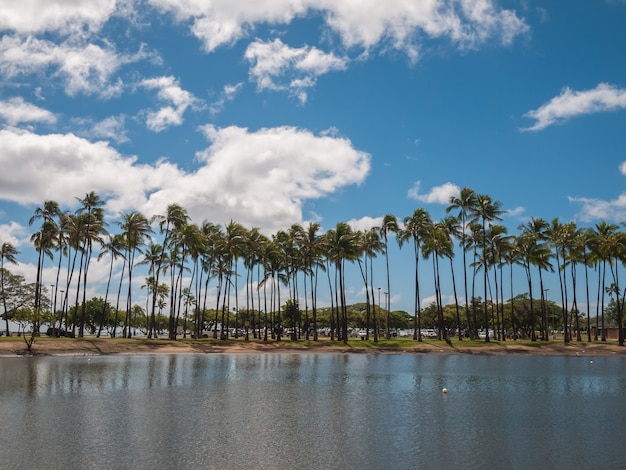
(102, 346)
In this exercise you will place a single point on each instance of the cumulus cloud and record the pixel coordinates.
(67, 38)
(365, 223)
(365, 24)
(14, 233)
(177, 102)
(592, 209)
(38, 16)
(267, 175)
(259, 178)
(62, 166)
(570, 103)
(276, 66)
(16, 111)
(437, 195)
(83, 68)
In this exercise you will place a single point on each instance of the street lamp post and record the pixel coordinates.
(545, 300)
(51, 290)
(387, 306)
(375, 321)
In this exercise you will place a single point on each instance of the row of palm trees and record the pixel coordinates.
(191, 256)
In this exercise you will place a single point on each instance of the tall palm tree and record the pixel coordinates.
(343, 245)
(560, 236)
(486, 210)
(436, 245)
(610, 247)
(208, 232)
(191, 242)
(114, 248)
(93, 215)
(389, 225)
(497, 237)
(8, 254)
(151, 258)
(464, 205)
(135, 228)
(416, 227)
(538, 228)
(601, 250)
(588, 260)
(235, 239)
(44, 241)
(62, 245)
(370, 245)
(174, 219)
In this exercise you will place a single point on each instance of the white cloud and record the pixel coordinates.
(365, 24)
(365, 223)
(169, 92)
(38, 16)
(517, 212)
(276, 66)
(86, 69)
(15, 111)
(437, 195)
(112, 128)
(569, 103)
(15, 234)
(60, 167)
(258, 178)
(597, 209)
(228, 94)
(267, 175)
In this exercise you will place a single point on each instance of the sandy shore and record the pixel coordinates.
(102, 346)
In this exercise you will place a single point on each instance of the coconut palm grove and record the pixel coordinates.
(268, 287)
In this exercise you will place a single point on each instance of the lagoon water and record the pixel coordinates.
(312, 411)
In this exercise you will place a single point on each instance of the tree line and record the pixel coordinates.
(190, 257)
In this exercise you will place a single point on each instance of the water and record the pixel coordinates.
(312, 411)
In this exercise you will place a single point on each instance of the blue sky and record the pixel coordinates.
(313, 110)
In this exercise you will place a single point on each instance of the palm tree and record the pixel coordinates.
(588, 260)
(114, 248)
(452, 229)
(609, 246)
(486, 210)
(152, 258)
(310, 246)
(538, 228)
(370, 245)
(208, 232)
(497, 238)
(389, 225)
(135, 227)
(44, 241)
(343, 245)
(416, 227)
(437, 244)
(560, 236)
(94, 225)
(532, 252)
(175, 217)
(190, 241)
(235, 240)
(7, 255)
(600, 249)
(464, 204)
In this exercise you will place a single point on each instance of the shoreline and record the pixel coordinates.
(15, 346)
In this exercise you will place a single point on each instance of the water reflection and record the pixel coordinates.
(311, 411)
